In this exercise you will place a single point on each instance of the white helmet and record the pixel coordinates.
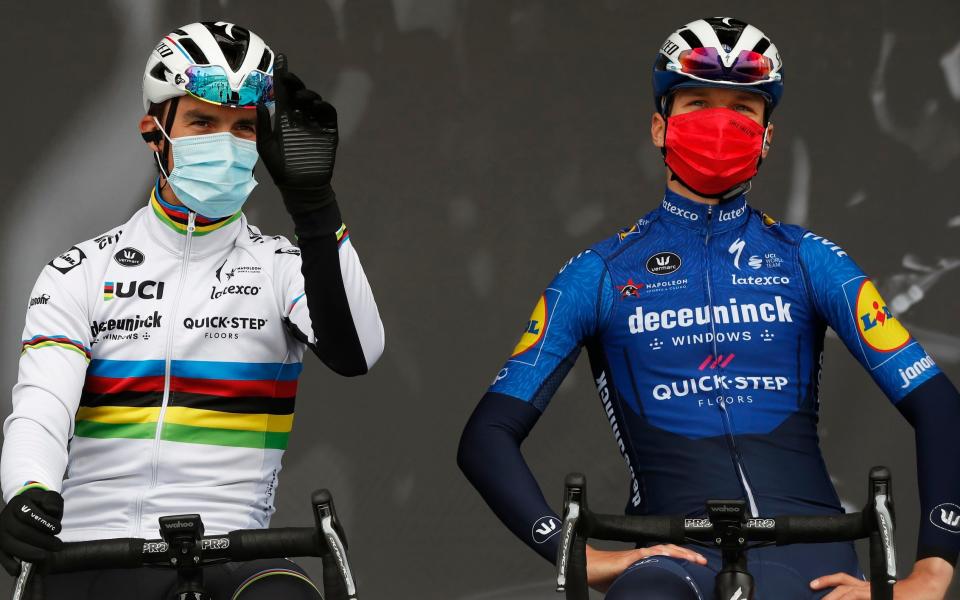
(218, 62)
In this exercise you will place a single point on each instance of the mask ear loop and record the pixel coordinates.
(161, 157)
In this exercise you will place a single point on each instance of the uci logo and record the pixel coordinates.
(946, 516)
(147, 290)
(876, 324)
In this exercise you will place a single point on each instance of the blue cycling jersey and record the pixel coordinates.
(704, 327)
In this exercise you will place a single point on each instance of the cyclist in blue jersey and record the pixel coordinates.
(704, 323)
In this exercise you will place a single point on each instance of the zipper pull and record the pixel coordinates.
(191, 220)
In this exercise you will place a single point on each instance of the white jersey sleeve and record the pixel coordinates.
(55, 352)
(329, 304)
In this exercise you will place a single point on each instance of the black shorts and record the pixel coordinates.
(253, 580)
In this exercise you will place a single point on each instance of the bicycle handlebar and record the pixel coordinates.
(326, 540)
(725, 523)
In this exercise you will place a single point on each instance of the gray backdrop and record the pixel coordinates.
(483, 143)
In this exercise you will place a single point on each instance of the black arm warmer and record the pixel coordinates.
(934, 411)
(490, 457)
(337, 343)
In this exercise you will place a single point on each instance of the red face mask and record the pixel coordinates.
(713, 150)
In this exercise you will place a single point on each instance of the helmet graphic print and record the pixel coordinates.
(718, 52)
(220, 62)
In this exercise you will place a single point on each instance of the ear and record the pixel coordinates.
(658, 130)
(767, 141)
(150, 133)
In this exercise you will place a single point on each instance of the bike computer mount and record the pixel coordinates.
(183, 535)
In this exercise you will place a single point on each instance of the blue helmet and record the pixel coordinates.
(718, 52)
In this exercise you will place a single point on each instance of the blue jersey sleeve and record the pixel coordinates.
(573, 307)
(849, 302)
(570, 310)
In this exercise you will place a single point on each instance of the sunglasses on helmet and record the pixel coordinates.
(706, 64)
(211, 84)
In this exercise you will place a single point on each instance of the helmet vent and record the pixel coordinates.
(233, 41)
(762, 46)
(159, 71)
(265, 60)
(194, 51)
(691, 38)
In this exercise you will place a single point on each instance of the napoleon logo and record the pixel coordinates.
(664, 263)
(68, 260)
(629, 289)
(129, 257)
(545, 528)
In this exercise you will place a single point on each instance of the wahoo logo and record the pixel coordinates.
(736, 248)
(545, 528)
(946, 516)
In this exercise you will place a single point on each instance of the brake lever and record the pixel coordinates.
(335, 538)
(572, 498)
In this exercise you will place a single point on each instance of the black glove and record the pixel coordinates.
(28, 528)
(299, 146)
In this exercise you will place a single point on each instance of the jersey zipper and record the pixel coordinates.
(168, 359)
(725, 414)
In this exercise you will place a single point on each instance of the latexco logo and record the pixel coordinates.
(234, 290)
(751, 280)
(946, 516)
(545, 528)
(673, 209)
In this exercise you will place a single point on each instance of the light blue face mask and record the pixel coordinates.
(212, 173)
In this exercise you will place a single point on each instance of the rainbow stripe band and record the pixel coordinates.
(343, 234)
(29, 485)
(177, 217)
(247, 405)
(50, 341)
(264, 574)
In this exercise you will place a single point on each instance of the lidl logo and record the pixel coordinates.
(534, 335)
(876, 324)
